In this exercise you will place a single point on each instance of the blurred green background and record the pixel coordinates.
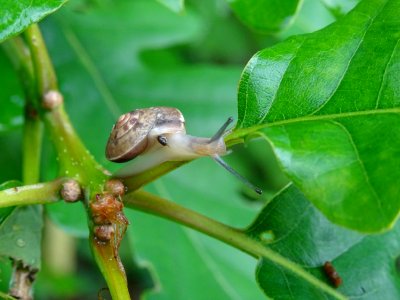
(112, 57)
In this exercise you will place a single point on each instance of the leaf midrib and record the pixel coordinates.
(245, 131)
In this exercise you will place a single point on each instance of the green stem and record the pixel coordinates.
(32, 146)
(239, 135)
(4, 296)
(111, 268)
(74, 158)
(137, 181)
(40, 193)
(237, 238)
(43, 67)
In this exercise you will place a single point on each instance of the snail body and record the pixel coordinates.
(148, 137)
(155, 135)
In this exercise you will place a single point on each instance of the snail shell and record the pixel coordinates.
(157, 135)
(135, 132)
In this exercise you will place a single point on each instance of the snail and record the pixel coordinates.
(157, 134)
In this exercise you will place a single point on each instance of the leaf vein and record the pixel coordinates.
(384, 76)
(253, 64)
(362, 166)
(346, 69)
(280, 81)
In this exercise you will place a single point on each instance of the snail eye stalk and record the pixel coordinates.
(220, 133)
(220, 161)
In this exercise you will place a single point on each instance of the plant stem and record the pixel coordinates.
(137, 181)
(4, 296)
(22, 279)
(111, 268)
(237, 238)
(32, 147)
(40, 193)
(74, 158)
(43, 68)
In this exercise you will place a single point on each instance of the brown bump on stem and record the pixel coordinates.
(105, 209)
(71, 191)
(115, 187)
(104, 233)
(52, 99)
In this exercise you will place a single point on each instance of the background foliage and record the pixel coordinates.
(114, 56)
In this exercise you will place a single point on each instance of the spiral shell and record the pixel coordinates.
(135, 132)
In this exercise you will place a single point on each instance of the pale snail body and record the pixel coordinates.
(135, 136)
(148, 137)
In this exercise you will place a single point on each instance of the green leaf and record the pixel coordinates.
(21, 231)
(20, 235)
(174, 5)
(265, 15)
(330, 109)
(19, 14)
(290, 219)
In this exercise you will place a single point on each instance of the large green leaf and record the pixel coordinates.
(265, 15)
(16, 15)
(328, 102)
(304, 235)
(291, 218)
